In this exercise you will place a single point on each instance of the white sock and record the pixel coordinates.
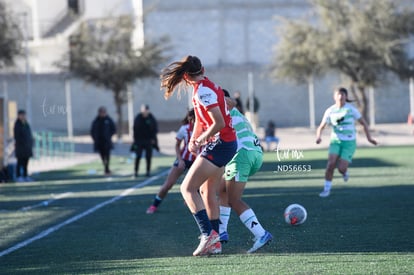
(249, 219)
(328, 185)
(224, 218)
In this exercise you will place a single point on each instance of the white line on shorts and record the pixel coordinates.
(52, 229)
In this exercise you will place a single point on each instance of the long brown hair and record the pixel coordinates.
(187, 120)
(173, 74)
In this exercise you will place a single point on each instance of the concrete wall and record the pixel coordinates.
(285, 103)
(236, 32)
(232, 38)
(48, 102)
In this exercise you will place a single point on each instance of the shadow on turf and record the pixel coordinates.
(374, 219)
(44, 190)
(351, 220)
(82, 174)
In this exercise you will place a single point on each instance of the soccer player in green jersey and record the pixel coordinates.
(247, 161)
(341, 117)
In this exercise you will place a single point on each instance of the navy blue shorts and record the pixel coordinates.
(219, 152)
(187, 163)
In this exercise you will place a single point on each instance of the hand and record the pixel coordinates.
(373, 141)
(194, 147)
(318, 140)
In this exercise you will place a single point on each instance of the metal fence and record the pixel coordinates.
(49, 144)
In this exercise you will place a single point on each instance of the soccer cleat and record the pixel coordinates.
(346, 176)
(151, 209)
(259, 243)
(325, 193)
(224, 237)
(216, 248)
(207, 244)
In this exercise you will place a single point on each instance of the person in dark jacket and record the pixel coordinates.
(102, 130)
(239, 102)
(23, 146)
(145, 137)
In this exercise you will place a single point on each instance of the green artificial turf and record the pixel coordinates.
(366, 226)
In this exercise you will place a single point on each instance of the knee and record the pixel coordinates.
(183, 189)
(187, 189)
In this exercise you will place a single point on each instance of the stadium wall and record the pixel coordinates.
(285, 103)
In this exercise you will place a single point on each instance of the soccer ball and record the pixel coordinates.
(295, 214)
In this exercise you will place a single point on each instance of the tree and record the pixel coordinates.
(10, 37)
(301, 62)
(363, 39)
(101, 52)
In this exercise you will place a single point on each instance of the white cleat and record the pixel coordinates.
(325, 193)
(346, 176)
(260, 242)
(216, 249)
(207, 244)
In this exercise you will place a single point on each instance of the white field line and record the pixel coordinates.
(52, 229)
(46, 202)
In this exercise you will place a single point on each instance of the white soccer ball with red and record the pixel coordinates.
(295, 214)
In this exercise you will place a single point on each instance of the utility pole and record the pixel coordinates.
(311, 92)
(411, 87)
(28, 74)
(69, 119)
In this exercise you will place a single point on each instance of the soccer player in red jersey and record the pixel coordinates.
(213, 130)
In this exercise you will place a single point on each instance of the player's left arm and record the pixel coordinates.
(364, 124)
(215, 127)
(193, 145)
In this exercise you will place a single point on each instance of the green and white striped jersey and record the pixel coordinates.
(342, 121)
(246, 138)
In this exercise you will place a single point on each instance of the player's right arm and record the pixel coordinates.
(319, 132)
(322, 126)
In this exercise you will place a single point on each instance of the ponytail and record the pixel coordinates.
(173, 74)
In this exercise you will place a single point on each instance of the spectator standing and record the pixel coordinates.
(239, 102)
(270, 135)
(23, 146)
(102, 130)
(253, 117)
(145, 137)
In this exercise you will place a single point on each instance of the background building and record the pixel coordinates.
(233, 38)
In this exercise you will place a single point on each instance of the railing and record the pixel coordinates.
(49, 144)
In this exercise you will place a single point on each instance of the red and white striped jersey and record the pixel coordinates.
(207, 95)
(184, 134)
